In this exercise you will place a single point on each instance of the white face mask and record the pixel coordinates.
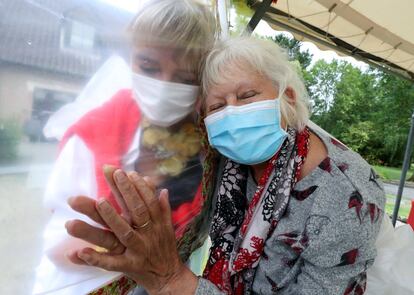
(163, 103)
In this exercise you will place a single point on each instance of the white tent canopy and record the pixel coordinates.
(379, 32)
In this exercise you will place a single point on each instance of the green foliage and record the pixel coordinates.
(322, 87)
(301, 58)
(395, 107)
(10, 134)
(304, 57)
(243, 13)
(358, 135)
(368, 110)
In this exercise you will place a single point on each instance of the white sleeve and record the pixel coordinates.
(73, 174)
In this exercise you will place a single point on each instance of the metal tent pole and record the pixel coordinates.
(406, 166)
(257, 16)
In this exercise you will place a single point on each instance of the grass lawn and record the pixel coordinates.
(404, 207)
(391, 173)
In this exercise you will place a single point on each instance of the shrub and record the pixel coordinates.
(10, 134)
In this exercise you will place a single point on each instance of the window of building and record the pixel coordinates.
(45, 103)
(79, 36)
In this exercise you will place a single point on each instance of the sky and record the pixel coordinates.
(262, 29)
(265, 30)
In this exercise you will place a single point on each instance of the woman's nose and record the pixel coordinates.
(166, 76)
(231, 100)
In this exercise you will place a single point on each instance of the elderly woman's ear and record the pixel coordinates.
(290, 93)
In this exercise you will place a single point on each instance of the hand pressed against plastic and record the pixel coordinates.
(147, 249)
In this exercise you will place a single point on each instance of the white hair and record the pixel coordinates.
(183, 24)
(263, 57)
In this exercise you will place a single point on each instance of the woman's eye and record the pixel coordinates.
(215, 107)
(189, 81)
(186, 79)
(149, 70)
(247, 94)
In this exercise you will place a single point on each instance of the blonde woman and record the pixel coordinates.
(148, 128)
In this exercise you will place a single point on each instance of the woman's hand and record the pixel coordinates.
(103, 238)
(146, 249)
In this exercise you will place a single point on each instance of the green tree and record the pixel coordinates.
(368, 110)
(242, 14)
(322, 80)
(295, 54)
(345, 104)
(395, 107)
(293, 47)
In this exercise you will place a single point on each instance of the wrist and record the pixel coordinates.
(182, 282)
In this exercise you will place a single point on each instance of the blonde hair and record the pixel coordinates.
(188, 25)
(265, 58)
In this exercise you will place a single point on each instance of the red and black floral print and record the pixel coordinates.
(239, 232)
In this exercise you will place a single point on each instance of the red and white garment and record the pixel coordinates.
(101, 127)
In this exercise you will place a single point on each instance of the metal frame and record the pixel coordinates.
(257, 16)
(333, 43)
(406, 166)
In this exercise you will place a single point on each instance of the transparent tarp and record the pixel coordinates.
(82, 85)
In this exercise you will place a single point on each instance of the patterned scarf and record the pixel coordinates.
(239, 230)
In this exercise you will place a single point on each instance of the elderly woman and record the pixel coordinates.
(293, 211)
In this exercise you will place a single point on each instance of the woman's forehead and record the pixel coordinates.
(156, 51)
(236, 77)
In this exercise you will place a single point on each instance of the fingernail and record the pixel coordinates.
(165, 193)
(104, 206)
(119, 175)
(67, 223)
(107, 167)
(70, 200)
(134, 176)
(103, 203)
(84, 256)
(68, 253)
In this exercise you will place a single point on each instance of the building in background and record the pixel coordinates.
(48, 51)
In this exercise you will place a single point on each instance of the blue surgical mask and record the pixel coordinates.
(248, 134)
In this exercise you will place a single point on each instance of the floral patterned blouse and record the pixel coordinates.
(325, 242)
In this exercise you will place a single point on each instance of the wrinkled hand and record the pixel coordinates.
(144, 249)
(103, 238)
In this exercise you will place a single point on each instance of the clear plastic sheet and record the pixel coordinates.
(393, 269)
(70, 75)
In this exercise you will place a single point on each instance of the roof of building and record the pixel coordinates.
(31, 34)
